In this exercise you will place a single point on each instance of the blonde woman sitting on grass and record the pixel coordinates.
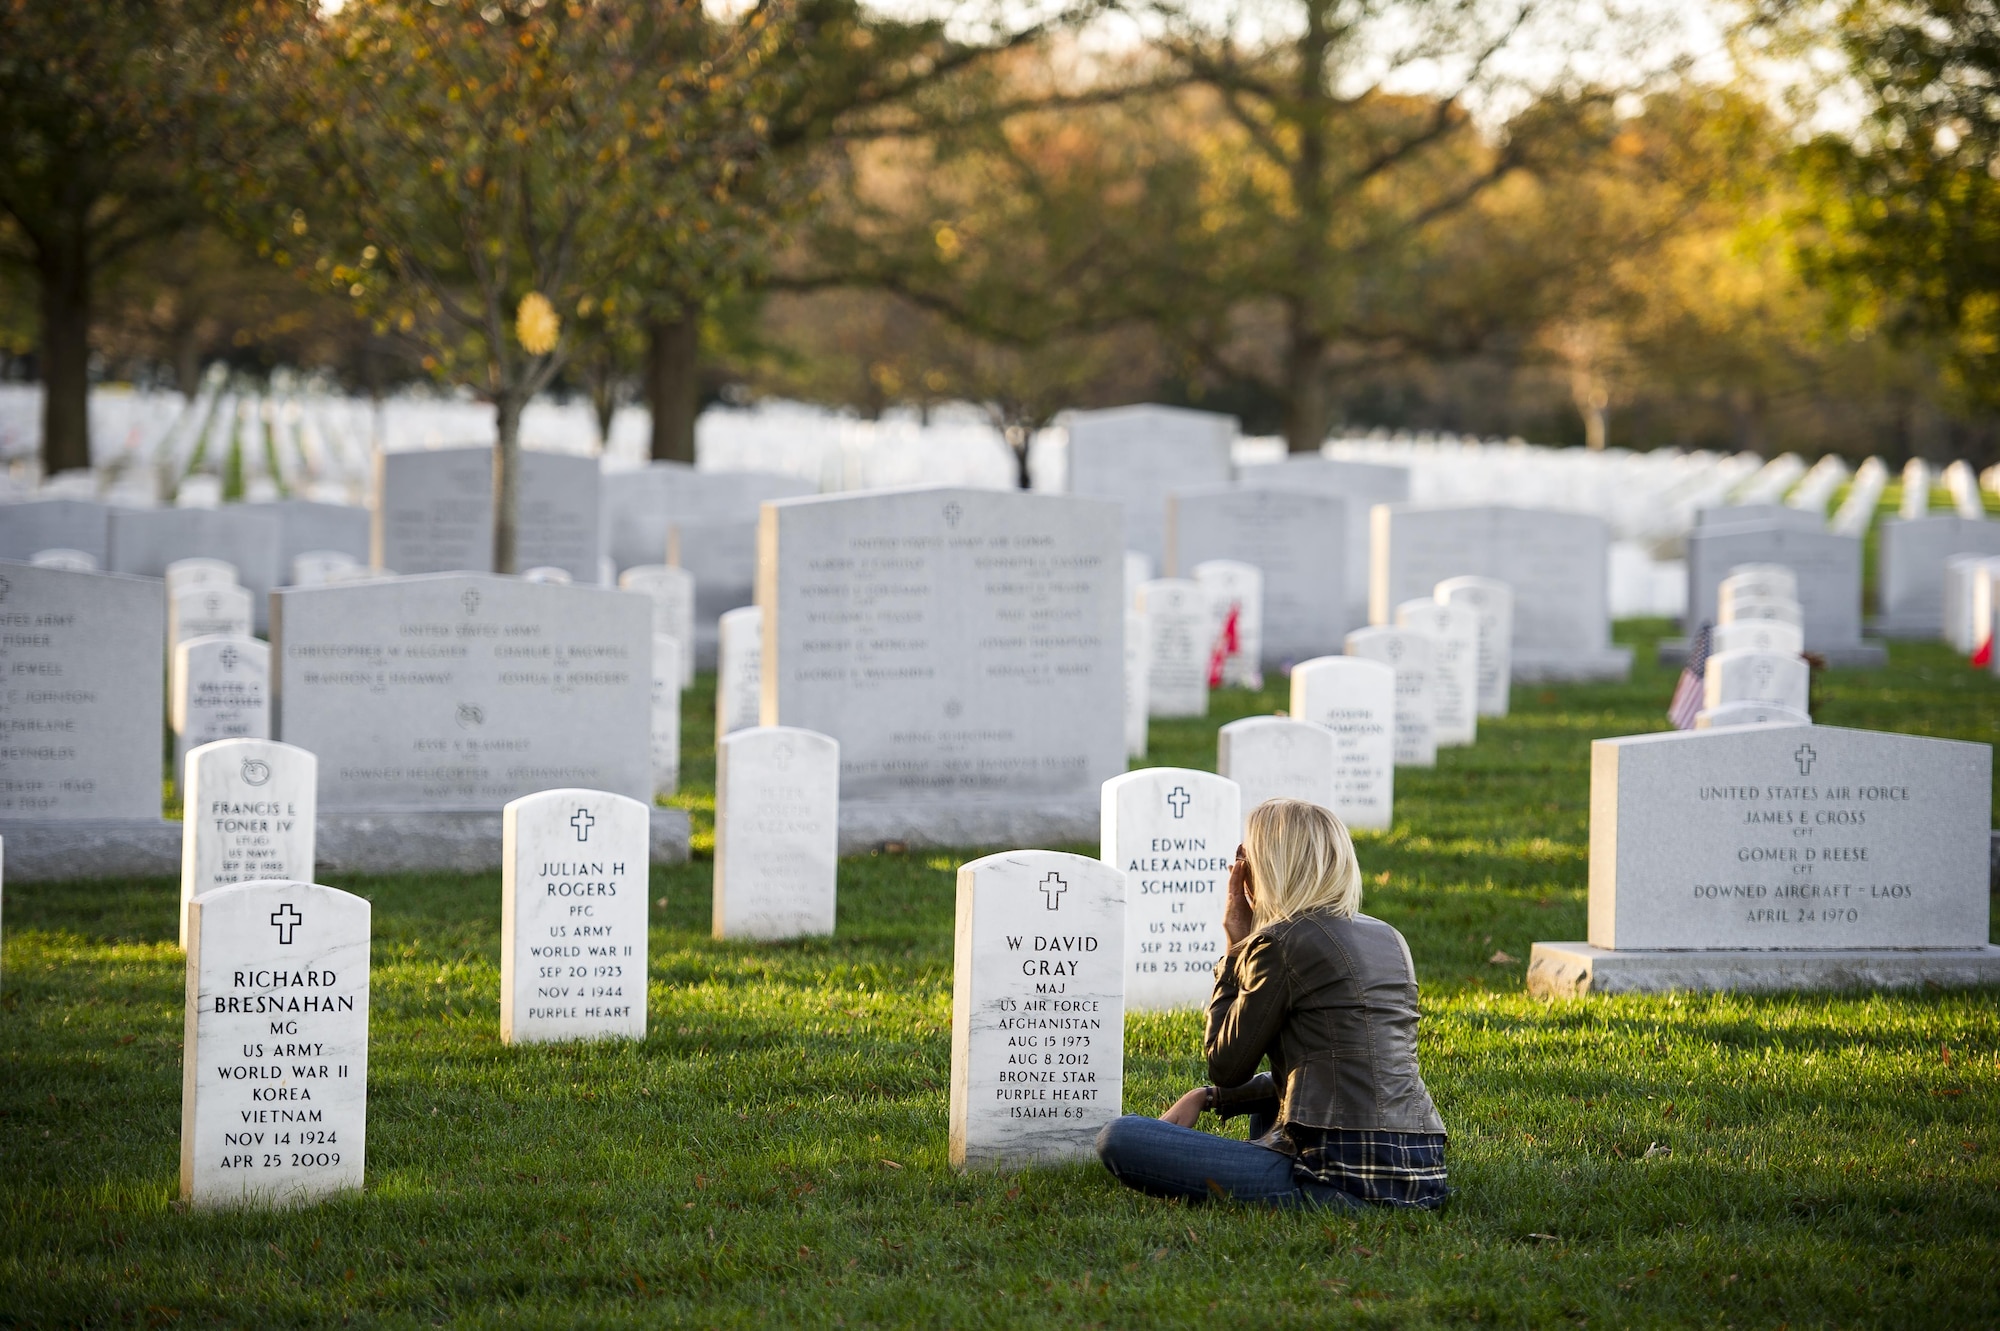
(1329, 995)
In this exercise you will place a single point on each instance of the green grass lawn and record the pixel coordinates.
(774, 1152)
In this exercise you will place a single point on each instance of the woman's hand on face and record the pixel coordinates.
(1187, 1110)
(1238, 920)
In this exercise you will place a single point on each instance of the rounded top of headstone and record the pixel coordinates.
(1350, 666)
(75, 561)
(1167, 778)
(780, 743)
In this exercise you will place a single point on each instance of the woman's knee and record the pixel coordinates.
(1116, 1139)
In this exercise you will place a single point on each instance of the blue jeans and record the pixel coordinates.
(1168, 1161)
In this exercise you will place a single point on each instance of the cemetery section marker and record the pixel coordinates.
(83, 656)
(777, 829)
(1773, 856)
(274, 1088)
(463, 691)
(251, 814)
(1037, 1008)
(573, 917)
(962, 646)
(1173, 831)
(1355, 698)
(1556, 564)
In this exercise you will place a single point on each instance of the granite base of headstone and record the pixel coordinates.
(274, 1088)
(1782, 857)
(1037, 1008)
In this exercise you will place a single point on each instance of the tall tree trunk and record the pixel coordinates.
(64, 270)
(507, 485)
(603, 401)
(673, 386)
(1306, 410)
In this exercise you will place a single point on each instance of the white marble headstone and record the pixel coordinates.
(573, 887)
(221, 690)
(274, 1088)
(250, 812)
(1748, 676)
(739, 660)
(1037, 1008)
(198, 571)
(1749, 714)
(671, 591)
(1492, 601)
(1748, 609)
(208, 611)
(76, 561)
(83, 659)
(1355, 698)
(1138, 675)
(666, 732)
(1454, 634)
(1138, 571)
(549, 573)
(316, 568)
(1275, 757)
(777, 831)
(1772, 582)
(1756, 635)
(1177, 640)
(1173, 831)
(1409, 654)
(1789, 837)
(1235, 593)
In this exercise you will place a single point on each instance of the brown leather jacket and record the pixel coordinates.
(1332, 1003)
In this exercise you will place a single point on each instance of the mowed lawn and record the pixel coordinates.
(774, 1152)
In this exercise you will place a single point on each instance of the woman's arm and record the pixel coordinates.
(1246, 1012)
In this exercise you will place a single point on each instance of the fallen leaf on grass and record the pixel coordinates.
(1952, 1092)
(891, 1163)
(1501, 959)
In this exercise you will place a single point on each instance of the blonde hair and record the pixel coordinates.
(1301, 859)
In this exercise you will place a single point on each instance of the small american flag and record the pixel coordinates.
(1690, 693)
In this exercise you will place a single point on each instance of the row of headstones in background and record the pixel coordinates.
(1782, 857)
(1826, 566)
(1910, 577)
(261, 542)
(1755, 672)
(1296, 541)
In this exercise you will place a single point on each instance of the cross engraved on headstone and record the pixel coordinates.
(582, 822)
(1805, 755)
(286, 918)
(5, 587)
(1178, 800)
(470, 600)
(230, 658)
(1053, 887)
(952, 513)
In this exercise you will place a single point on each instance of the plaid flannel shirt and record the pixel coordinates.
(1381, 1168)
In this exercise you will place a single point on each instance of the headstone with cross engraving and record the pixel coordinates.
(1774, 856)
(221, 690)
(1454, 635)
(961, 645)
(461, 691)
(206, 612)
(1826, 569)
(274, 1089)
(1492, 604)
(434, 512)
(251, 812)
(1173, 831)
(777, 831)
(671, 592)
(1037, 1008)
(739, 658)
(666, 732)
(82, 654)
(1177, 644)
(1355, 698)
(1751, 676)
(1275, 757)
(1409, 654)
(573, 882)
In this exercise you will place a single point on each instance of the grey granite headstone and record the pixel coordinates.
(463, 691)
(1909, 576)
(1828, 568)
(962, 646)
(1732, 515)
(274, 1087)
(1139, 455)
(1173, 831)
(640, 506)
(84, 661)
(1359, 486)
(306, 524)
(145, 541)
(434, 512)
(1037, 1008)
(33, 525)
(1718, 856)
(1555, 562)
(1296, 538)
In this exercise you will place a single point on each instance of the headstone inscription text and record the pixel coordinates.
(1174, 832)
